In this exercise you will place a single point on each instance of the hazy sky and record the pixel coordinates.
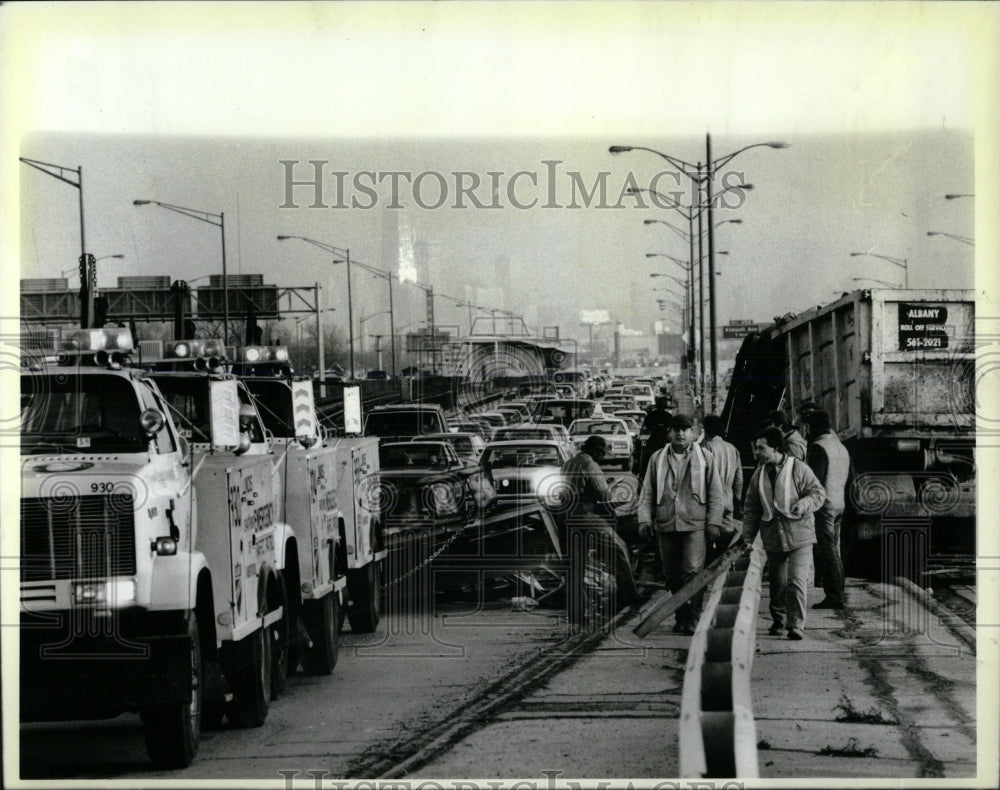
(882, 107)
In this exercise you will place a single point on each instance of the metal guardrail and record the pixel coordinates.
(717, 733)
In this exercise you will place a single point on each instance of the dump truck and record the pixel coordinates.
(895, 369)
(148, 578)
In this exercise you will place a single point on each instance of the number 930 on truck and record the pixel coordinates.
(148, 578)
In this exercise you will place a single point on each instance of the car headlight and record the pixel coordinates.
(444, 498)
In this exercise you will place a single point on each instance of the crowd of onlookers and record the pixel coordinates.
(692, 504)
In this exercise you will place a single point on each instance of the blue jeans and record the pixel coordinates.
(682, 555)
(827, 553)
(788, 575)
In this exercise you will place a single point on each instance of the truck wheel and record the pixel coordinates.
(321, 619)
(251, 682)
(172, 731)
(366, 604)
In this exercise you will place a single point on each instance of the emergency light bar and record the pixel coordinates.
(202, 354)
(96, 347)
(193, 349)
(90, 340)
(265, 354)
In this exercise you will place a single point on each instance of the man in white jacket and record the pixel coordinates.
(780, 501)
(681, 499)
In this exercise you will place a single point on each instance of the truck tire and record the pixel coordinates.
(173, 731)
(251, 682)
(322, 618)
(366, 603)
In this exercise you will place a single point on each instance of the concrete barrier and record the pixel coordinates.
(717, 734)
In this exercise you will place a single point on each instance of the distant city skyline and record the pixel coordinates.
(811, 206)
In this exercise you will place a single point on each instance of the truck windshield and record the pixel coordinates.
(274, 403)
(189, 399)
(85, 413)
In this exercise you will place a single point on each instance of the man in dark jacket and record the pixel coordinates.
(588, 519)
(655, 426)
(831, 463)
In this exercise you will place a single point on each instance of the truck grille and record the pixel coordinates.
(77, 538)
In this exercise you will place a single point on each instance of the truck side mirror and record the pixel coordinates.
(244, 443)
(152, 421)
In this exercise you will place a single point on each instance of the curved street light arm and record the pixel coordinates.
(954, 236)
(202, 216)
(728, 157)
(685, 167)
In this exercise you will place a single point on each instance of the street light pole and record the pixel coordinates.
(86, 292)
(204, 216)
(900, 262)
(695, 174)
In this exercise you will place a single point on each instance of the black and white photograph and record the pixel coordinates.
(499, 395)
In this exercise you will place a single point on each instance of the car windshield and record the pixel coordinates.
(603, 428)
(414, 456)
(462, 444)
(77, 413)
(525, 433)
(521, 457)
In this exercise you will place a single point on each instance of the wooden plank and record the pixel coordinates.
(664, 607)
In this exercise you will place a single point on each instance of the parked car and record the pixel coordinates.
(472, 425)
(612, 404)
(513, 414)
(405, 421)
(525, 471)
(642, 393)
(468, 445)
(553, 431)
(615, 434)
(564, 410)
(426, 484)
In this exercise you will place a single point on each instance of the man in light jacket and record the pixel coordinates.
(727, 464)
(681, 499)
(780, 501)
(795, 442)
(831, 463)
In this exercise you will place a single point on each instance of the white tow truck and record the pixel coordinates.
(330, 490)
(148, 572)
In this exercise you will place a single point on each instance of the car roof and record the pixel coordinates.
(409, 445)
(444, 437)
(524, 443)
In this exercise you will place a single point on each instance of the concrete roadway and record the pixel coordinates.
(386, 687)
(880, 690)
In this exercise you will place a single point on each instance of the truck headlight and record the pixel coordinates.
(111, 593)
